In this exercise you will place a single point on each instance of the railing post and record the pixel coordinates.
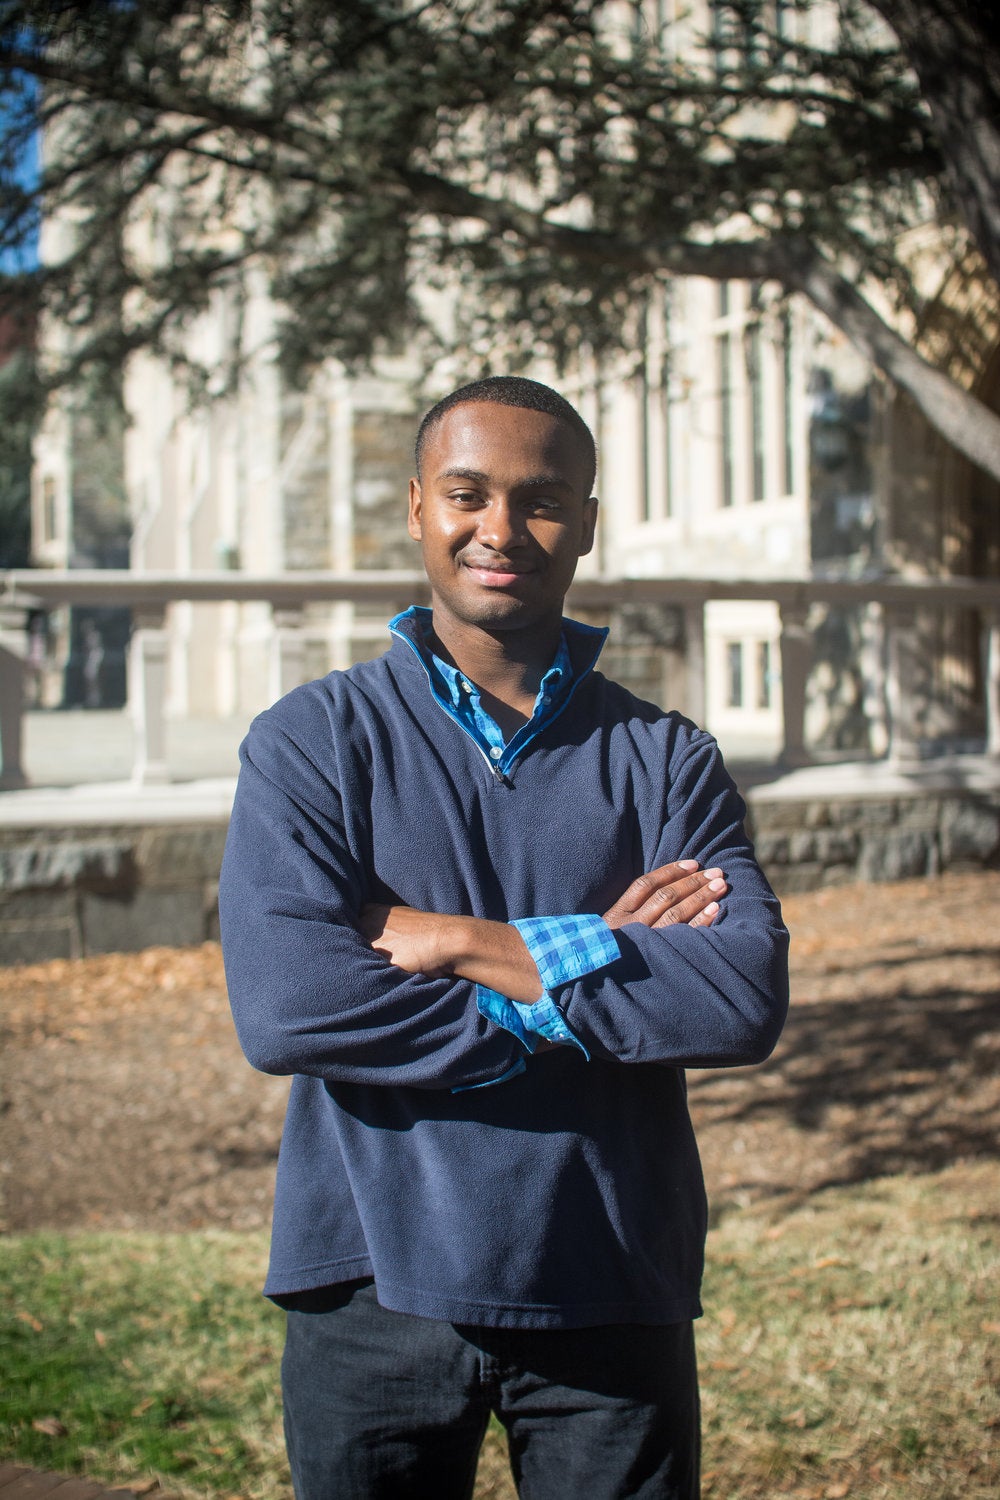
(694, 657)
(795, 645)
(288, 651)
(147, 690)
(993, 683)
(903, 666)
(11, 717)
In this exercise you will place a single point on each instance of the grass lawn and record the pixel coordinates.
(849, 1349)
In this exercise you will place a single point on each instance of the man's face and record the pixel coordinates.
(503, 513)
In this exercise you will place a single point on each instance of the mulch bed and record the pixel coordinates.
(126, 1102)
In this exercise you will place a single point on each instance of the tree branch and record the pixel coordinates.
(226, 113)
(796, 264)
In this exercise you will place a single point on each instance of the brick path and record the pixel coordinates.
(25, 1484)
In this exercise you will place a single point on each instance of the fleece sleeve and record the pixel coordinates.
(693, 996)
(308, 994)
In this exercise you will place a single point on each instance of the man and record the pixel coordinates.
(486, 906)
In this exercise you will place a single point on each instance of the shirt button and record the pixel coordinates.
(495, 752)
(466, 686)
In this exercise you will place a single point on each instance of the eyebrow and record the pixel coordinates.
(474, 474)
(533, 481)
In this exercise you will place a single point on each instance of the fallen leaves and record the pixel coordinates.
(67, 997)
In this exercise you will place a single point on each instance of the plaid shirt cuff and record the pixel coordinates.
(545, 1019)
(501, 1011)
(527, 1022)
(564, 949)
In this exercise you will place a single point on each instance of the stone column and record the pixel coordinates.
(147, 690)
(795, 643)
(903, 668)
(288, 650)
(694, 652)
(992, 625)
(11, 717)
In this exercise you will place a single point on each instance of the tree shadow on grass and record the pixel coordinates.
(904, 957)
(859, 1089)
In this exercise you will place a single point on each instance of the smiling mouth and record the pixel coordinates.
(494, 576)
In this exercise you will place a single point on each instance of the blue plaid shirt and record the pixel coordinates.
(564, 948)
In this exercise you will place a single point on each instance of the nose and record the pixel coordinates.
(499, 525)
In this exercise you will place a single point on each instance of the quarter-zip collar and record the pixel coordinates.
(579, 647)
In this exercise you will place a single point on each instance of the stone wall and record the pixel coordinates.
(806, 843)
(69, 892)
(383, 463)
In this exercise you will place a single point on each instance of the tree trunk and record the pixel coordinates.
(952, 47)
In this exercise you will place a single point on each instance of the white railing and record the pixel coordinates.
(150, 595)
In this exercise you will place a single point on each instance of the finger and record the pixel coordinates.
(657, 902)
(685, 911)
(654, 880)
(670, 896)
(707, 917)
(645, 887)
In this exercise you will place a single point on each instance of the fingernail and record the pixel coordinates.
(711, 909)
(712, 874)
(689, 864)
(717, 885)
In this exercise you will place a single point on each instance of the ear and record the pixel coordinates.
(413, 517)
(589, 525)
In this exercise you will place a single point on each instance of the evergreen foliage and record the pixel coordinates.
(548, 163)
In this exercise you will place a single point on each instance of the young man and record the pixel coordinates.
(486, 907)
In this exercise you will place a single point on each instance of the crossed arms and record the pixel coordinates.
(495, 955)
(323, 984)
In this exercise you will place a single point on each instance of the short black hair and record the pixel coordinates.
(510, 390)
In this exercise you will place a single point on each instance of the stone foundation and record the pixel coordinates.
(66, 893)
(806, 843)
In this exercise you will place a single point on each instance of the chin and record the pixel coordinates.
(497, 613)
(501, 619)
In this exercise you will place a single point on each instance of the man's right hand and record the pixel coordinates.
(677, 892)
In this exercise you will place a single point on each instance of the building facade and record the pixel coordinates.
(746, 440)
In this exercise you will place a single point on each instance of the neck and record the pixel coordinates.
(506, 665)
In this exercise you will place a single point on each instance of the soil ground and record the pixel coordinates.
(126, 1102)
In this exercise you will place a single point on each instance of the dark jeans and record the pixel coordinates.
(383, 1406)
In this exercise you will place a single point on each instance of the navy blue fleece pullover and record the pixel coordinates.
(570, 1195)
